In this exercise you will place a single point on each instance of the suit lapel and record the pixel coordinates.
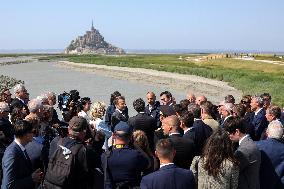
(21, 153)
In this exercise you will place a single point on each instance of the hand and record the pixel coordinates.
(37, 176)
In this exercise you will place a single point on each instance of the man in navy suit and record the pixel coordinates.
(16, 164)
(143, 122)
(169, 176)
(272, 157)
(259, 120)
(119, 114)
(202, 131)
(186, 123)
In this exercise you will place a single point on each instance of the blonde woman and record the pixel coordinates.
(97, 113)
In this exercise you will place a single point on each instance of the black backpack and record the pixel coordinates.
(61, 166)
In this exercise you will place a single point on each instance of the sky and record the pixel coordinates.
(145, 24)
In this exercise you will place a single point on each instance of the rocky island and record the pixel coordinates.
(92, 43)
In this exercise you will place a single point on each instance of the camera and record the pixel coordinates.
(68, 100)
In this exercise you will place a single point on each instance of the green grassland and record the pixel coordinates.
(251, 77)
(270, 57)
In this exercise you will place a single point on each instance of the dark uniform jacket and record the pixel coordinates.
(124, 165)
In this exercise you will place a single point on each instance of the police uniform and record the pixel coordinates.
(122, 164)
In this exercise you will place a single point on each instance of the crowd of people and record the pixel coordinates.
(167, 144)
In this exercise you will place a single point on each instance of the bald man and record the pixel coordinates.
(200, 99)
(153, 107)
(184, 147)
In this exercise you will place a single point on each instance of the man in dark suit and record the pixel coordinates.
(186, 123)
(272, 151)
(153, 107)
(16, 164)
(21, 95)
(201, 130)
(184, 147)
(143, 122)
(169, 176)
(247, 153)
(259, 120)
(119, 113)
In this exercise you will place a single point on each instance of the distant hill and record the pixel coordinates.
(92, 43)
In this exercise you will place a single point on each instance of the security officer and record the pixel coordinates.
(122, 164)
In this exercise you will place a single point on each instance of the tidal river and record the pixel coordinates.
(45, 76)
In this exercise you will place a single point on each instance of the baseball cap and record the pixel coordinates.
(123, 127)
(78, 124)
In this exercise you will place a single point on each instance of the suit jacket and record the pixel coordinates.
(184, 151)
(249, 157)
(154, 112)
(272, 163)
(38, 153)
(259, 123)
(190, 134)
(169, 177)
(7, 129)
(18, 103)
(117, 117)
(110, 110)
(202, 133)
(145, 123)
(17, 170)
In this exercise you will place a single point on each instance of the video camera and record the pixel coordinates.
(68, 100)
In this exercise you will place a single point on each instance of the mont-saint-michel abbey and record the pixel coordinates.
(92, 43)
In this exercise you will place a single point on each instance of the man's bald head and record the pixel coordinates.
(200, 99)
(170, 124)
(151, 98)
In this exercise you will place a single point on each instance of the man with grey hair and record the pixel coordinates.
(272, 151)
(51, 98)
(226, 112)
(273, 113)
(36, 108)
(259, 120)
(6, 129)
(21, 94)
(43, 98)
